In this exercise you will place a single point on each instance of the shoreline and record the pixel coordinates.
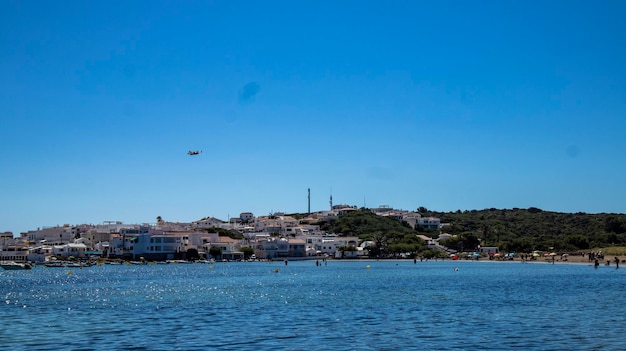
(577, 260)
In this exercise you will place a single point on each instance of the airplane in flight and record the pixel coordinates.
(193, 153)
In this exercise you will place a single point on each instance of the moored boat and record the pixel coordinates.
(13, 266)
(67, 264)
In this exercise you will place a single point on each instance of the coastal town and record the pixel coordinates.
(276, 236)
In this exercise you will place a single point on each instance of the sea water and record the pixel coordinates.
(336, 305)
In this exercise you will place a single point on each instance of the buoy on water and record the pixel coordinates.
(368, 267)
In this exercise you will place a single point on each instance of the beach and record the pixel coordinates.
(579, 259)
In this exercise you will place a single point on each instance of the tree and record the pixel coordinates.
(247, 252)
(578, 241)
(403, 248)
(380, 244)
(614, 224)
(469, 240)
(523, 244)
(192, 254)
(428, 254)
(349, 248)
(215, 251)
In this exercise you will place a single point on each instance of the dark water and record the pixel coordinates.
(392, 305)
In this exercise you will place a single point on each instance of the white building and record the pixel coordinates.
(209, 222)
(229, 248)
(17, 253)
(197, 240)
(276, 224)
(414, 219)
(246, 216)
(429, 222)
(271, 248)
(53, 235)
(146, 242)
(327, 244)
(156, 246)
(70, 250)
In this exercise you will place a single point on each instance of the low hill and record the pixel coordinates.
(520, 230)
(390, 236)
(524, 230)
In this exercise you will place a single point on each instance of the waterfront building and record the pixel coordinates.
(229, 248)
(271, 248)
(77, 250)
(39, 253)
(17, 253)
(157, 247)
(197, 240)
(297, 247)
(327, 244)
(146, 242)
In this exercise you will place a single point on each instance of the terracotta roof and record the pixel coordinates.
(226, 239)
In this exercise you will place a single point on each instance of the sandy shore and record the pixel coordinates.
(577, 259)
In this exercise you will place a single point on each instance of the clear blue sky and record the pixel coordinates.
(443, 104)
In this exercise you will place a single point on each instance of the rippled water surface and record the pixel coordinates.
(300, 306)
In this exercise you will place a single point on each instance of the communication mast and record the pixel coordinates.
(331, 199)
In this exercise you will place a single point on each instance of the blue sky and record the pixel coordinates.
(443, 104)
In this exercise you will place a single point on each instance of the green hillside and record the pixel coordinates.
(523, 230)
(520, 230)
(389, 236)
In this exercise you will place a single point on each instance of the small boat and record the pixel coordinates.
(13, 266)
(67, 264)
(178, 261)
